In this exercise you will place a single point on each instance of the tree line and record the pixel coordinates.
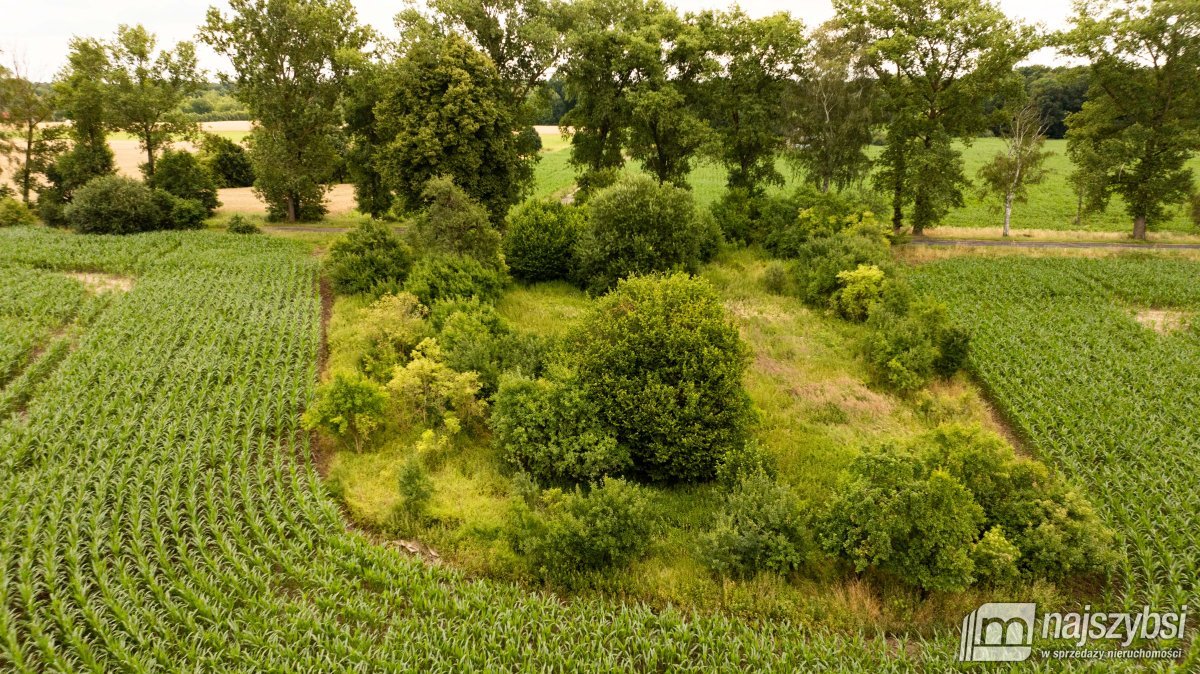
(635, 80)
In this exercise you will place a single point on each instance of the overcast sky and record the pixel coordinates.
(37, 34)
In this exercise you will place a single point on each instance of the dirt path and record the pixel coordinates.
(990, 243)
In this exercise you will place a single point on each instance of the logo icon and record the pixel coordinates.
(997, 633)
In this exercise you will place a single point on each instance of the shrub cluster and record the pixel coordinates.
(179, 173)
(240, 225)
(117, 205)
(13, 213)
(453, 223)
(638, 226)
(958, 507)
(439, 276)
(567, 533)
(369, 259)
(762, 527)
(476, 339)
(349, 407)
(539, 244)
(226, 161)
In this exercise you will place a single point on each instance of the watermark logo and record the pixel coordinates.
(998, 632)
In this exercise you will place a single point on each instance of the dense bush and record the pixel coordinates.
(819, 261)
(416, 491)
(116, 205)
(453, 223)
(539, 244)
(861, 289)
(815, 215)
(440, 277)
(226, 161)
(13, 213)
(431, 393)
(913, 342)
(638, 226)
(391, 327)
(743, 461)
(575, 532)
(548, 429)
(476, 339)
(179, 173)
(957, 507)
(748, 218)
(369, 259)
(761, 527)
(349, 407)
(662, 364)
(240, 225)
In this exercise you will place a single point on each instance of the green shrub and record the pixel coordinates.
(369, 259)
(476, 339)
(455, 224)
(661, 363)
(743, 461)
(589, 183)
(441, 277)
(13, 213)
(815, 215)
(575, 532)
(776, 278)
(955, 507)
(1194, 209)
(239, 225)
(761, 527)
(349, 407)
(636, 227)
(391, 327)
(747, 218)
(819, 261)
(861, 289)
(911, 344)
(429, 392)
(117, 205)
(178, 172)
(539, 244)
(416, 489)
(226, 161)
(548, 429)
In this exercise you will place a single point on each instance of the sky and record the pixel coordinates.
(37, 36)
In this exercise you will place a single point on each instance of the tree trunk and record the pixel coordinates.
(149, 157)
(1139, 227)
(26, 174)
(897, 208)
(1008, 202)
(825, 185)
(1079, 210)
(291, 207)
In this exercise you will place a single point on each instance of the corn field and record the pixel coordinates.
(159, 509)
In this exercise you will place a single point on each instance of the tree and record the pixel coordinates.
(830, 114)
(26, 107)
(1058, 92)
(289, 61)
(613, 45)
(1020, 164)
(145, 90)
(363, 90)
(446, 112)
(758, 60)
(937, 64)
(1139, 126)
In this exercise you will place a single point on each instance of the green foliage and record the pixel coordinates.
(539, 243)
(637, 227)
(787, 223)
(661, 363)
(391, 327)
(240, 225)
(178, 172)
(995, 558)
(577, 532)
(15, 214)
(369, 259)
(294, 148)
(819, 262)
(1139, 126)
(476, 339)
(455, 224)
(416, 489)
(744, 461)
(547, 428)
(762, 527)
(442, 277)
(226, 161)
(349, 407)
(910, 344)
(116, 205)
(895, 516)
(861, 290)
(429, 392)
(447, 112)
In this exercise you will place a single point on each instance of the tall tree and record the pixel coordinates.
(758, 60)
(445, 112)
(830, 113)
(937, 63)
(1141, 122)
(612, 46)
(1021, 163)
(289, 61)
(27, 107)
(145, 89)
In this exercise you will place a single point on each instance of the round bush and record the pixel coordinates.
(227, 161)
(540, 241)
(819, 261)
(440, 277)
(117, 205)
(662, 364)
(369, 259)
(636, 227)
(14, 213)
(761, 528)
(181, 174)
(240, 225)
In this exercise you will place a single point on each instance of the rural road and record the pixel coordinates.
(991, 243)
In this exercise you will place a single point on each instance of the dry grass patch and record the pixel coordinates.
(1162, 321)
(98, 283)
